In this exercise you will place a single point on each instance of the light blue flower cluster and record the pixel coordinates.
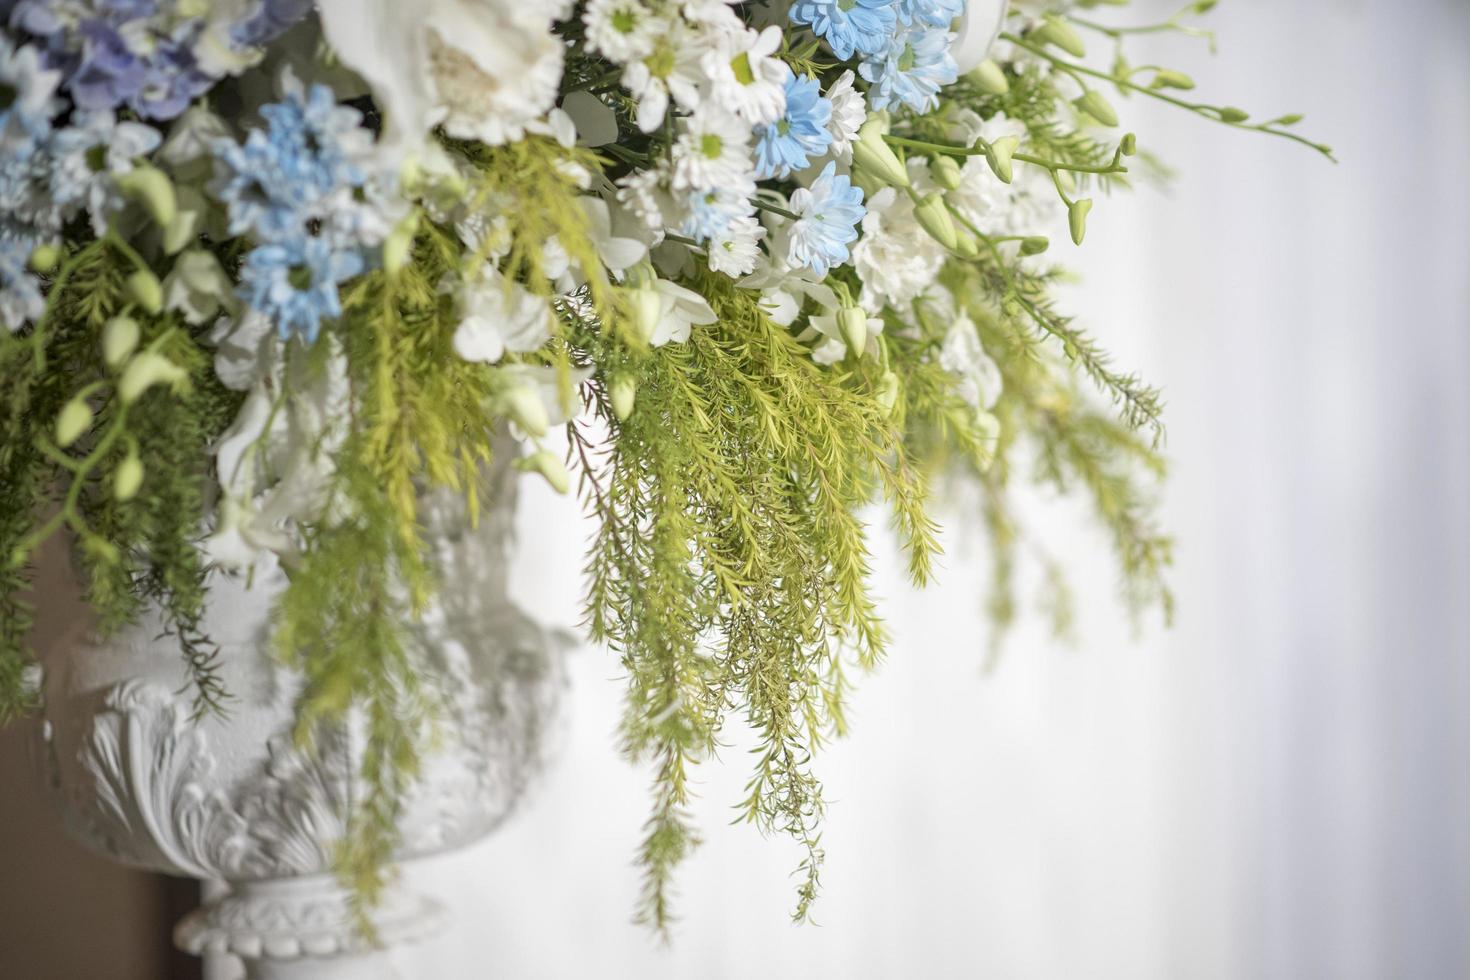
(294, 188)
(21, 301)
(911, 71)
(28, 217)
(904, 44)
(849, 26)
(828, 214)
(711, 213)
(152, 56)
(799, 135)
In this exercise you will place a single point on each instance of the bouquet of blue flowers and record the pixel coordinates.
(731, 272)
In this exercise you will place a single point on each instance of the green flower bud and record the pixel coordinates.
(1290, 120)
(946, 172)
(522, 404)
(75, 418)
(989, 77)
(852, 323)
(1035, 245)
(119, 340)
(624, 393)
(966, 244)
(144, 289)
(1000, 155)
(887, 393)
(648, 310)
(871, 153)
(1077, 218)
(1099, 108)
(145, 371)
(128, 478)
(1054, 30)
(1129, 146)
(933, 215)
(151, 188)
(44, 258)
(1231, 114)
(1169, 78)
(555, 471)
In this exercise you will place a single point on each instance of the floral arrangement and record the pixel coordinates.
(271, 269)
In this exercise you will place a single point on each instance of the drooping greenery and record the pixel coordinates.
(730, 477)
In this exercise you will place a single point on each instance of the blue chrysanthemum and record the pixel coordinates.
(284, 176)
(911, 70)
(930, 13)
(828, 215)
(848, 26)
(294, 283)
(800, 134)
(21, 300)
(711, 212)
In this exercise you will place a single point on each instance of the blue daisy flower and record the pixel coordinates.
(801, 133)
(911, 70)
(828, 215)
(848, 26)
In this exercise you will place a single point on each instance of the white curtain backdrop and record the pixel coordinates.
(1279, 787)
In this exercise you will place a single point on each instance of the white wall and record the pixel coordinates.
(1278, 788)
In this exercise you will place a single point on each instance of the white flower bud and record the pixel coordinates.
(648, 309)
(128, 478)
(145, 371)
(546, 463)
(522, 404)
(75, 418)
(1077, 218)
(933, 215)
(119, 340)
(624, 393)
(946, 172)
(144, 289)
(852, 322)
(151, 188)
(872, 154)
(999, 157)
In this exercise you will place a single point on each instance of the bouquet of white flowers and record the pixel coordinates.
(271, 269)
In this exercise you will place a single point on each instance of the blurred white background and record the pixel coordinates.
(1279, 787)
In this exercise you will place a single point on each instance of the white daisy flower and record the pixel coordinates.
(736, 251)
(745, 76)
(712, 151)
(623, 30)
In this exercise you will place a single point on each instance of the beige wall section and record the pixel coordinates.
(66, 914)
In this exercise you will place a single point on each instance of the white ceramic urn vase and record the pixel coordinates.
(230, 799)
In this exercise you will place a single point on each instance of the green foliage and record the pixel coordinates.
(731, 567)
(132, 550)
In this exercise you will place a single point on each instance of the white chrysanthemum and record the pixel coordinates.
(896, 258)
(713, 150)
(745, 76)
(500, 315)
(849, 112)
(623, 30)
(648, 197)
(736, 251)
